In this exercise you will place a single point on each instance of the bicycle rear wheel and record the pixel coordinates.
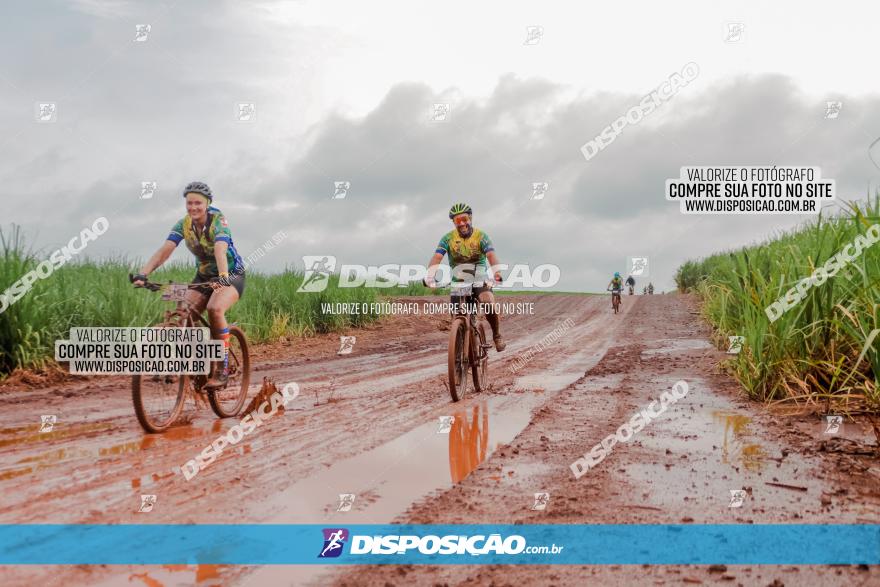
(458, 358)
(228, 401)
(480, 358)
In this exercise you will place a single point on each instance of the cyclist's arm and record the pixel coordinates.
(220, 248)
(159, 257)
(433, 265)
(493, 262)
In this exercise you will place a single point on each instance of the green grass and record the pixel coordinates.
(824, 350)
(89, 293)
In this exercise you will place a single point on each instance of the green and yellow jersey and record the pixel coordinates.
(469, 250)
(201, 243)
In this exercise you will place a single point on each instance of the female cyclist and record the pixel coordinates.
(208, 237)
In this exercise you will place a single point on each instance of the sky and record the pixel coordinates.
(344, 91)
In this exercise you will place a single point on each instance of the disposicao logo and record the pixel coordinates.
(334, 540)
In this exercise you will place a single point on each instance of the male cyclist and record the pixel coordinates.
(631, 284)
(208, 237)
(614, 286)
(469, 248)
(651, 289)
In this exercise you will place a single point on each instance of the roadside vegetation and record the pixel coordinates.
(98, 293)
(823, 351)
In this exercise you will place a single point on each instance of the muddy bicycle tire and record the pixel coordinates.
(458, 358)
(141, 388)
(480, 358)
(233, 396)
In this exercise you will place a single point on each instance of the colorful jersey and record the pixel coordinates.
(201, 244)
(471, 250)
(615, 283)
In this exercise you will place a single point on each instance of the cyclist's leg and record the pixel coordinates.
(221, 301)
(197, 300)
(486, 297)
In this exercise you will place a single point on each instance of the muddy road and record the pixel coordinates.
(366, 424)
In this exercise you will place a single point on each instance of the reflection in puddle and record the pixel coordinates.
(53, 457)
(402, 470)
(202, 573)
(733, 449)
(28, 434)
(468, 441)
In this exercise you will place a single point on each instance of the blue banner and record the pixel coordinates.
(259, 544)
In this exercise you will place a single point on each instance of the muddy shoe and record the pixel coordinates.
(500, 345)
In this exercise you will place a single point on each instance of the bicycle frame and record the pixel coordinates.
(471, 354)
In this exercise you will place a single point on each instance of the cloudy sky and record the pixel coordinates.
(344, 92)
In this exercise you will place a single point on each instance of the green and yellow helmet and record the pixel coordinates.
(460, 208)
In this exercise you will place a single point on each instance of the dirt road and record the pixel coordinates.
(366, 424)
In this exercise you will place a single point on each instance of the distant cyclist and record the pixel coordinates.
(208, 237)
(469, 247)
(631, 284)
(650, 289)
(615, 285)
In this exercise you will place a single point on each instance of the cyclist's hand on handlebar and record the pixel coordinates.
(220, 282)
(429, 282)
(138, 280)
(498, 278)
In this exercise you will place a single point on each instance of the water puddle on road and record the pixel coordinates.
(699, 450)
(88, 449)
(386, 479)
(674, 345)
(170, 576)
(31, 433)
(735, 450)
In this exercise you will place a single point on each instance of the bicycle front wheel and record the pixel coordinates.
(158, 400)
(228, 401)
(480, 358)
(458, 358)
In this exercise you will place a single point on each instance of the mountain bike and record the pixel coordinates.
(158, 399)
(615, 299)
(467, 349)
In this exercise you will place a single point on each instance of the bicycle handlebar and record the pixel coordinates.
(154, 286)
(490, 283)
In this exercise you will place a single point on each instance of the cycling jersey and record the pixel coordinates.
(616, 283)
(465, 250)
(201, 244)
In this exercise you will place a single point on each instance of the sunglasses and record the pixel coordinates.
(461, 220)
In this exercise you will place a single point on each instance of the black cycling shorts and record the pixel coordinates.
(236, 280)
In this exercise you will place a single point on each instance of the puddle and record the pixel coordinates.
(698, 454)
(170, 576)
(29, 434)
(698, 431)
(54, 457)
(386, 479)
(734, 449)
(673, 345)
(547, 383)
